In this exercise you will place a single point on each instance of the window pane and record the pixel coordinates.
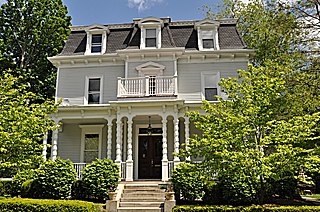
(207, 34)
(91, 142)
(207, 43)
(210, 94)
(94, 98)
(151, 42)
(95, 49)
(94, 84)
(151, 33)
(90, 156)
(96, 39)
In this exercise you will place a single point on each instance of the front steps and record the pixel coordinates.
(142, 198)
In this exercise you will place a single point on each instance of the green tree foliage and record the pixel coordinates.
(31, 31)
(22, 125)
(248, 138)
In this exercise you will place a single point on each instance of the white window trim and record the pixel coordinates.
(86, 91)
(150, 23)
(203, 86)
(96, 30)
(208, 25)
(90, 129)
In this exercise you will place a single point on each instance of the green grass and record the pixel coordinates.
(314, 196)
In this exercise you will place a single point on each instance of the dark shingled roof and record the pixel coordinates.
(174, 34)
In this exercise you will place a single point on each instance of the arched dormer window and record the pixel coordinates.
(150, 32)
(96, 39)
(207, 35)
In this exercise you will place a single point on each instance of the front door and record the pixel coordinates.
(150, 154)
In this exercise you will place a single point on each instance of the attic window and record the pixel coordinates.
(207, 39)
(96, 43)
(151, 38)
(208, 35)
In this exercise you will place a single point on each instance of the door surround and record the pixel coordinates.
(136, 143)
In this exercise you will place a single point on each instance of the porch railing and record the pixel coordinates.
(170, 168)
(147, 86)
(79, 167)
(123, 170)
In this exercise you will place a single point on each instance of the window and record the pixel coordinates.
(207, 39)
(94, 91)
(151, 38)
(210, 87)
(91, 147)
(96, 43)
(91, 142)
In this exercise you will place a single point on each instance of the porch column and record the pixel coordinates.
(121, 140)
(129, 162)
(118, 145)
(54, 152)
(165, 169)
(187, 134)
(44, 150)
(109, 146)
(176, 159)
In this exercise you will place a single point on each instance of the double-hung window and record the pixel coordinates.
(151, 38)
(94, 91)
(91, 147)
(96, 43)
(210, 87)
(207, 39)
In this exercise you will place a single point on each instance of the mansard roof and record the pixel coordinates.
(173, 34)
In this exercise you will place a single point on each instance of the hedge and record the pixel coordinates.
(5, 188)
(245, 209)
(37, 205)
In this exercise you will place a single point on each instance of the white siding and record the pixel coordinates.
(69, 144)
(71, 84)
(189, 76)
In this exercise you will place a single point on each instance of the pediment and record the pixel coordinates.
(96, 27)
(150, 66)
(150, 21)
(207, 23)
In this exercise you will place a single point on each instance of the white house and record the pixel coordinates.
(126, 89)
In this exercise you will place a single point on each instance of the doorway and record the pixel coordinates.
(150, 155)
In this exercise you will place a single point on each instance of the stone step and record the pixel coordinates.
(142, 195)
(140, 209)
(142, 199)
(137, 186)
(141, 204)
(143, 190)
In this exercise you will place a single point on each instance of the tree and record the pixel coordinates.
(246, 140)
(33, 30)
(23, 125)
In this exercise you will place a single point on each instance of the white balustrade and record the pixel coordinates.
(147, 86)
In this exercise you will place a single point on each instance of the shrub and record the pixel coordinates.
(19, 179)
(54, 179)
(188, 180)
(99, 178)
(248, 209)
(212, 193)
(36, 205)
(5, 188)
(78, 191)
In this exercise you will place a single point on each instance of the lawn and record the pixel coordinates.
(314, 196)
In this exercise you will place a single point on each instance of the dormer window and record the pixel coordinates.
(207, 35)
(151, 38)
(150, 32)
(96, 39)
(96, 43)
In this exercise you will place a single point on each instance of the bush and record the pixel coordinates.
(212, 193)
(285, 187)
(19, 179)
(54, 179)
(100, 177)
(5, 188)
(248, 209)
(35, 205)
(78, 191)
(188, 180)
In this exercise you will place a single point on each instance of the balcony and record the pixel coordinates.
(155, 86)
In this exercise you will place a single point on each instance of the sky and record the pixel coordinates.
(86, 12)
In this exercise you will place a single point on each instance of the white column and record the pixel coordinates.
(54, 153)
(187, 134)
(165, 168)
(121, 141)
(129, 162)
(44, 150)
(118, 145)
(176, 159)
(109, 146)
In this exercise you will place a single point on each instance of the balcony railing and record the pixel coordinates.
(147, 86)
(79, 167)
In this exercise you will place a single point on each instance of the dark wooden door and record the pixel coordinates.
(150, 155)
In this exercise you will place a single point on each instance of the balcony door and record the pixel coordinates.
(150, 155)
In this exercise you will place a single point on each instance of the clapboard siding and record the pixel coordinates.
(189, 76)
(71, 84)
(69, 145)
